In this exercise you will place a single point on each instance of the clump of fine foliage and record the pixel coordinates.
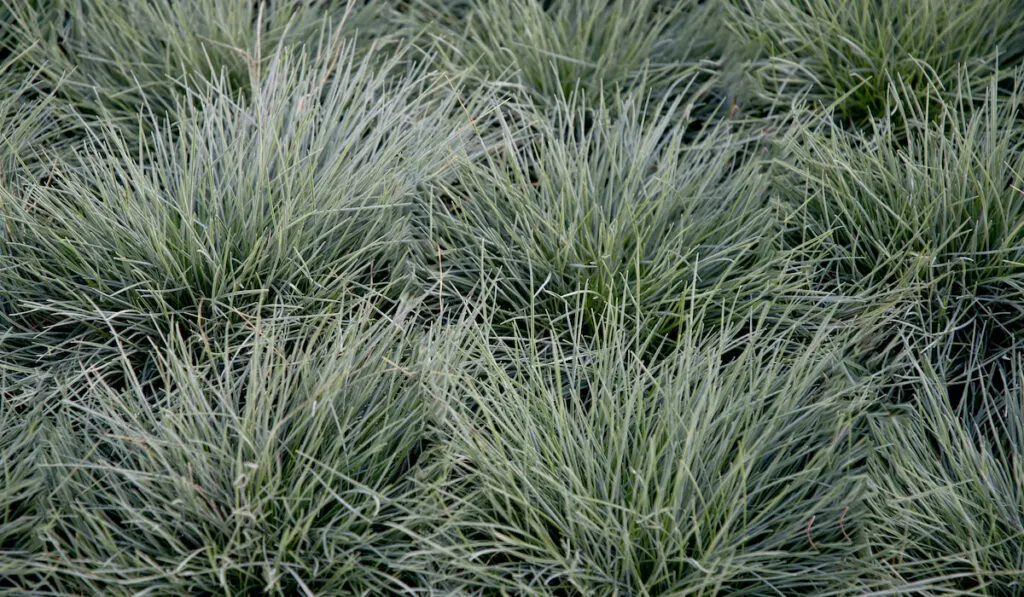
(547, 51)
(518, 297)
(846, 53)
(295, 196)
(727, 467)
(286, 470)
(588, 207)
(928, 221)
(948, 499)
(120, 60)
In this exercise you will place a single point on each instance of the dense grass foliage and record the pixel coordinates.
(276, 461)
(846, 54)
(932, 222)
(548, 51)
(948, 503)
(518, 297)
(592, 207)
(296, 196)
(597, 472)
(120, 60)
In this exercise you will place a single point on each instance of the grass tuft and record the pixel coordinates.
(295, 197)
(848, 54)
(129, 64)
(588, 207)
(552, 50)
(276, 463)
(593, 471)
(930, 222)
(947, 506)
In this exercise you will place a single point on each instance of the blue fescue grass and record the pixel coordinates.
(929, 220)
(947, 506)
(127, 64)
(594, 471)
(276, 461)
(847, 54)
(468, 297)
(20, 434)
(549, 51)
(294, 196)
(581, 209)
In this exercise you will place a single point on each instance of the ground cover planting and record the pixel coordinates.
(518, 297)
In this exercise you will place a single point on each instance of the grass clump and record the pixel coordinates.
(549, 51)
(589, 206)
(128, 63)
(846, 54)
(947, 507)
(276, 463)
(295, 197)
(594, 472)
(931, 224)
